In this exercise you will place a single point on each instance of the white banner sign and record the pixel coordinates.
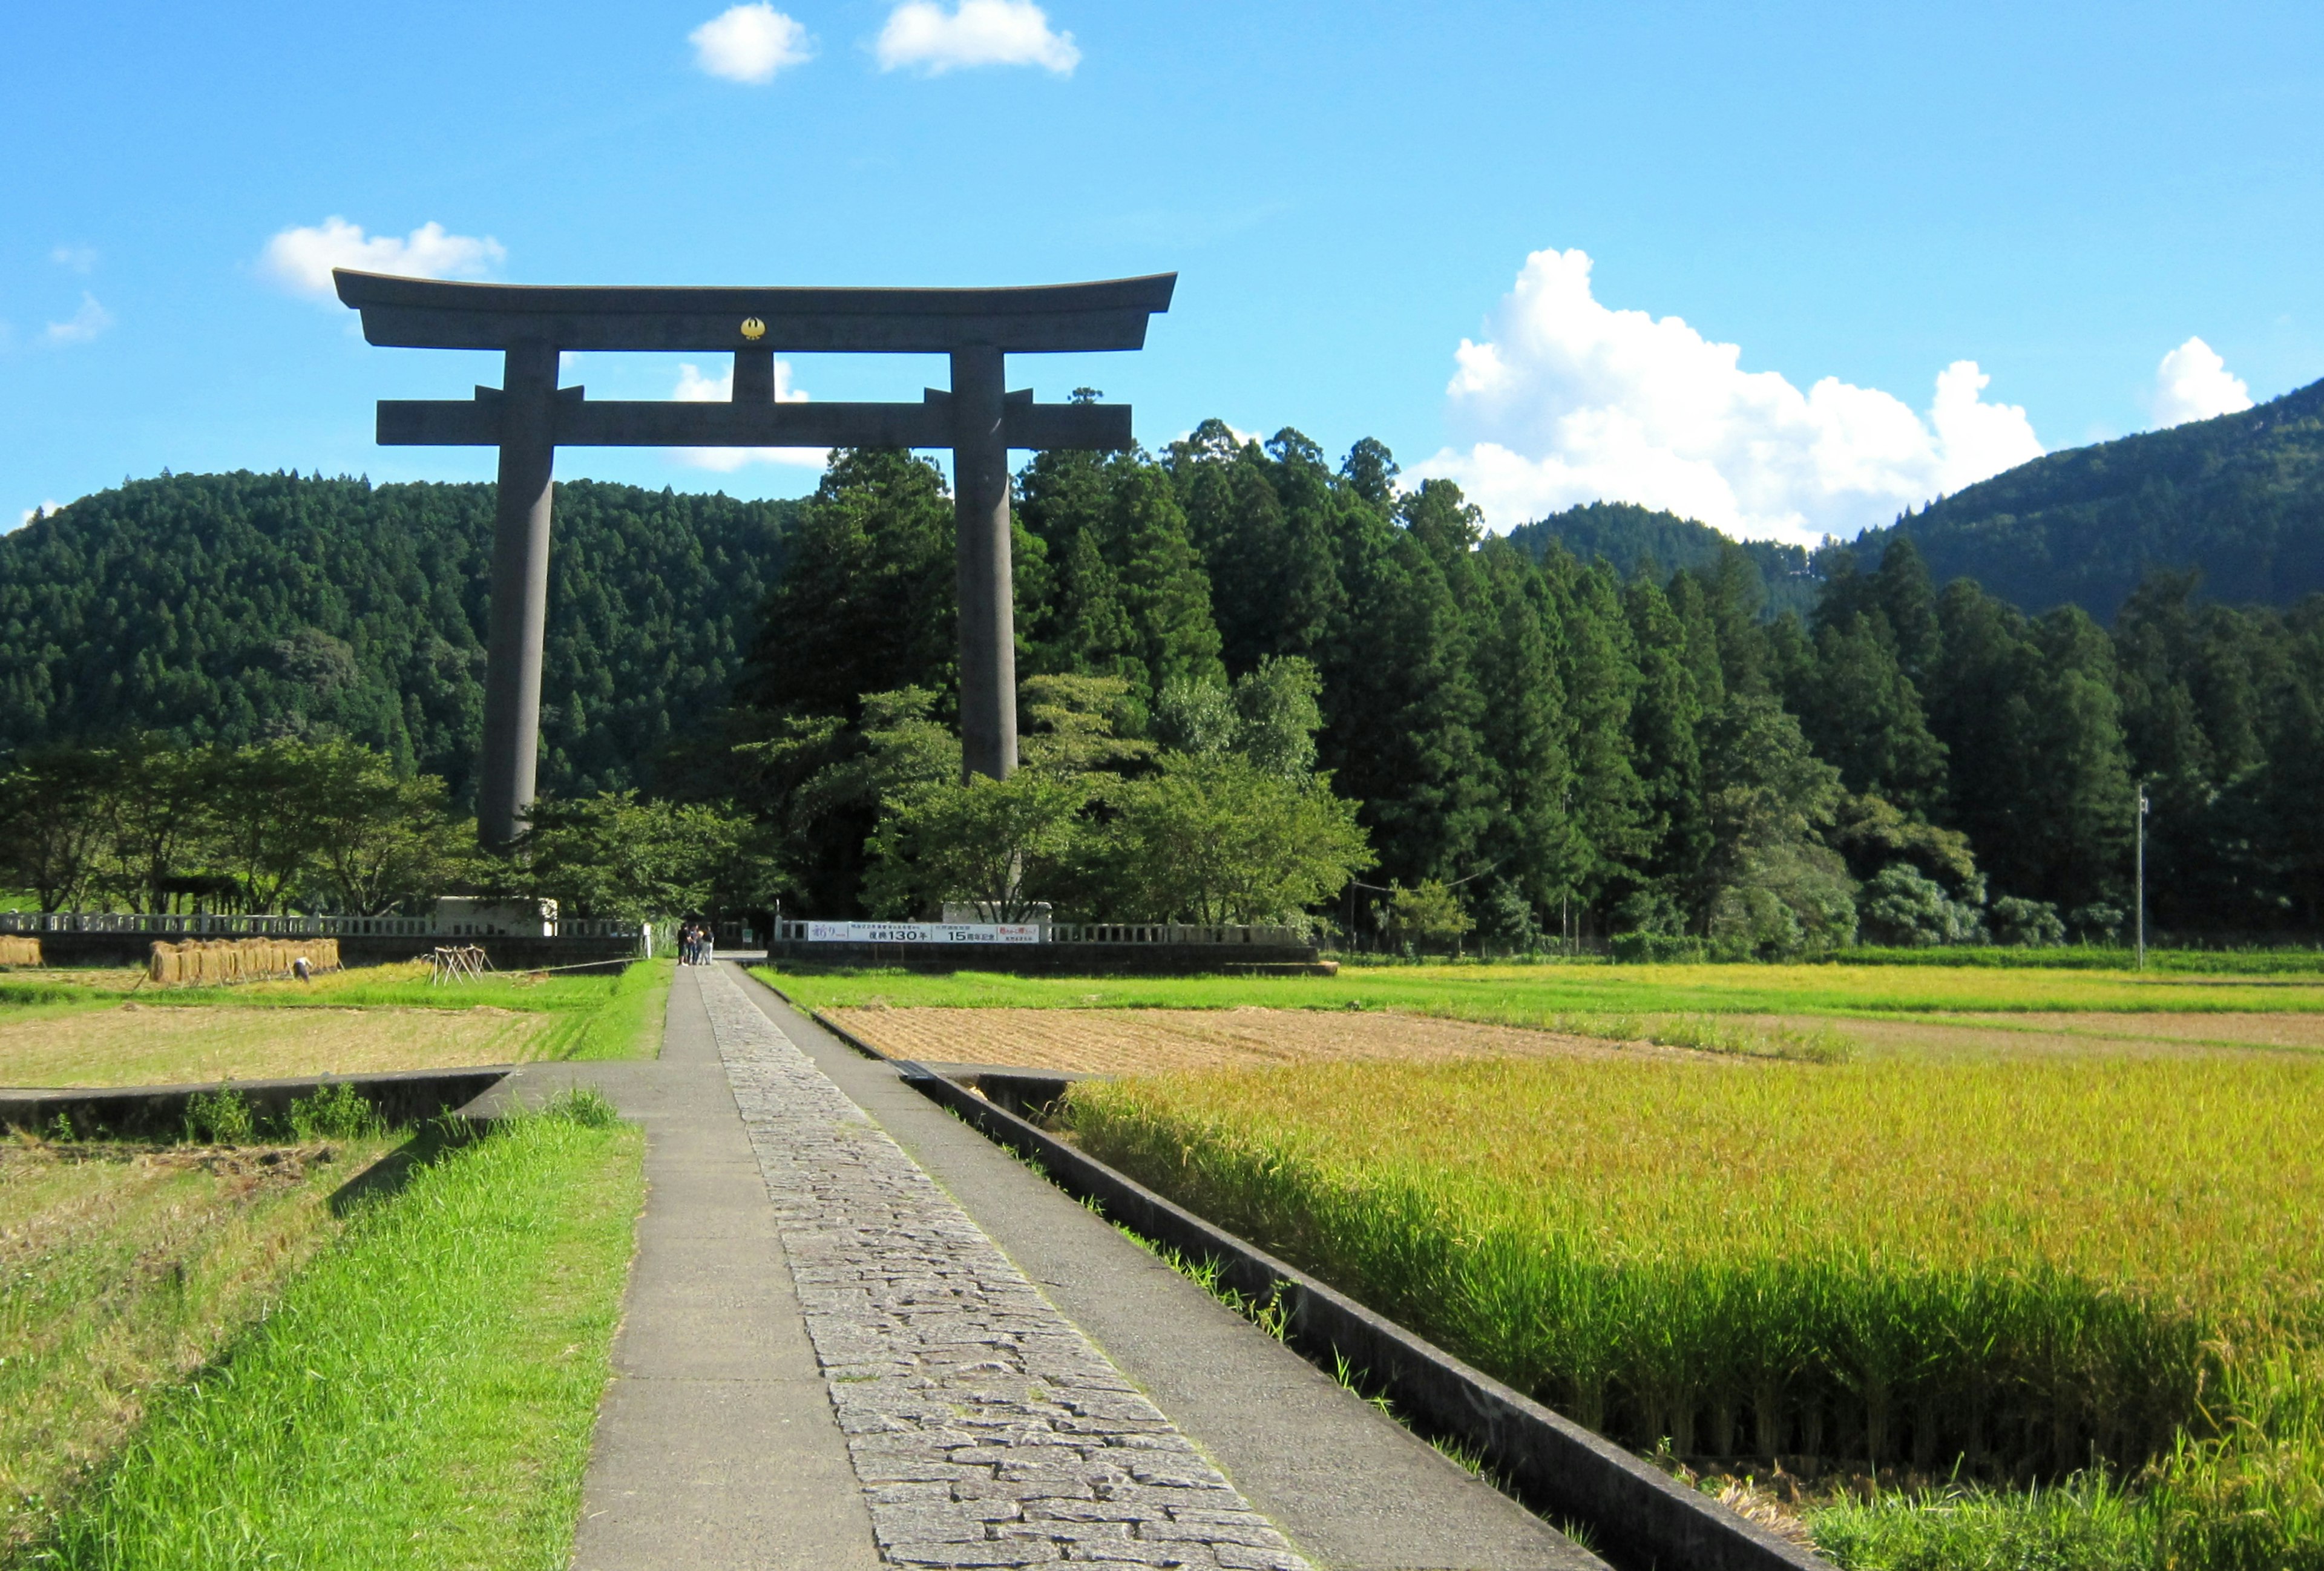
(923, 933)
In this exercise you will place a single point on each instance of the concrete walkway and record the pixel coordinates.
(720, 1442)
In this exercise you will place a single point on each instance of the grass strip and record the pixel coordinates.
(124, 1268)
(422, 1395)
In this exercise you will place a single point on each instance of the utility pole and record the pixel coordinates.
(2142, 876)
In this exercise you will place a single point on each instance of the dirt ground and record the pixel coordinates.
(1134, 1041)
(1131, 1041)
(147, 1045)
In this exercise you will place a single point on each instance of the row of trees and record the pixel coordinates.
(1529, 742)
(1569, 749)
(1229, 826)
(292, 826)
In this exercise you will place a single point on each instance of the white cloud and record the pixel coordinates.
(2194, 383)
(31, 514)
(79, 258)
(922, 36)
(83, 324)
(693, 387)
(301, 258)
(749, 43)
(1569, 402)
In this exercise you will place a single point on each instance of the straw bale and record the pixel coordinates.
(19, 951)
(209, 962)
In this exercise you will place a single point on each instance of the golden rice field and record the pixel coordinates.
(2006, 1270)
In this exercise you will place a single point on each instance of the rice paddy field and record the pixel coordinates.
(1997, 1001)
(1995, 1311)
(321, 1343)
(100, 1027)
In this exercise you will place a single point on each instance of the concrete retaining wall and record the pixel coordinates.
(403, 1096)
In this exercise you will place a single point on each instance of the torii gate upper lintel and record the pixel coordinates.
(528, 417)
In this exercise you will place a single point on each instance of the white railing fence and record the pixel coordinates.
(165, 925)
(809, 932)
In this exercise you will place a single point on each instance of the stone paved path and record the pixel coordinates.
(985, 1429)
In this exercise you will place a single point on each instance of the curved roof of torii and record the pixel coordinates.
(422, 313)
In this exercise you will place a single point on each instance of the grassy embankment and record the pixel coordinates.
(420, 1396)
(1886, 1269)
(97, 1028)
(458, 1303)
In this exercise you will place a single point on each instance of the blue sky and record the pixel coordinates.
(1858, 198)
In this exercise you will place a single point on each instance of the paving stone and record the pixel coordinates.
(986, 1430)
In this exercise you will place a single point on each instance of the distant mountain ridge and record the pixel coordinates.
(1628, 537)
(2241, 498)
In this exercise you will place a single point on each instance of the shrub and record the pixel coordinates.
(2030, 924)
(336, 1112)
(1905, 907)
(222, 1117)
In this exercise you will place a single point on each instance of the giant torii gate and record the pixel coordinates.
(529, 417)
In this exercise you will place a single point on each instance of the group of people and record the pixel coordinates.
(697, 945)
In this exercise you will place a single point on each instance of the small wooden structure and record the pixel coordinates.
(459, 963)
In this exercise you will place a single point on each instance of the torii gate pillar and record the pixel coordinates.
(519, 614)
(529, 417)
(986, 576)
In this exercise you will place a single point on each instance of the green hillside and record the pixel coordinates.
(1630, 537)
(235, 607)
(2240, 497)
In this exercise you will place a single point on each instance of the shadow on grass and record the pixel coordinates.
(390, 1175)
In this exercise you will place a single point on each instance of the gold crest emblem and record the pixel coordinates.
(753, 329)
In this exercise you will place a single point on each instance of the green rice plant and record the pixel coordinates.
(334, 1112)
(2252, 1498)
(222, 1117)
(2017, 1267)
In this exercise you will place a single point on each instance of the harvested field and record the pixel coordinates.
(1141, 1042)
(1136, 1041)
(131, 1044)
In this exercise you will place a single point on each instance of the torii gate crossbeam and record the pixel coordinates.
(529, 417)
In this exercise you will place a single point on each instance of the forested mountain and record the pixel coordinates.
(239, 608)
(1630, 537)
(2241, 498)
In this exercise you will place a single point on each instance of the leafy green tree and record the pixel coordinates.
(379, 841)
(1196, 718)
(1901, 907)
(1864, 715)
(1525, 723)
(1427, 915)
(867, 601)
(997, 844)
(617, 855)
(52, 823)
(1220, 839)
(160, 811)
(1770, 886)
